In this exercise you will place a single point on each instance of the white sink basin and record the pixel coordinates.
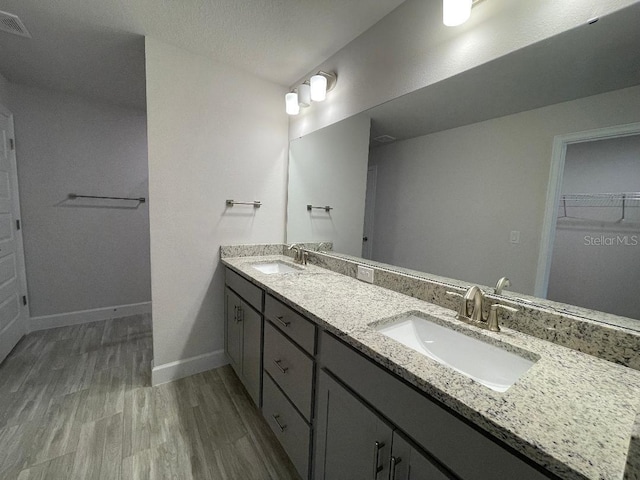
(487, 364)
(275, 267)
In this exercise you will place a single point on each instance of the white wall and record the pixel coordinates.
(410, 48)
(446, 202)
(215, 133)
(599, 274)
(80, 257)
(329, 167)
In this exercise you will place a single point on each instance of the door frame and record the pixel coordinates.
(24, 317)
(369, 210)
(558, 155)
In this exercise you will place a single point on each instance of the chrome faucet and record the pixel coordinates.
(300, 255)
(502, 283)
(322, 245)
(473, 293)
(477, 296)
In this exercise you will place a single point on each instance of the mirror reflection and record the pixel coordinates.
(466, 178)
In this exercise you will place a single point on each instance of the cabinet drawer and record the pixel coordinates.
(247, 290)
(289, 427)
(301, 330)
(289, 367)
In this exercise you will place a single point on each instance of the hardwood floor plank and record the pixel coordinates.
(138, 417)
(88, 458)
(58, 432)
(112, 451)
(56, 468)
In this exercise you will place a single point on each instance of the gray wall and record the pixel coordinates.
(601, 276)
(215, 133)
(410, 48)
(4, 87)
(446, 202)
(329, 167)
(80, 257)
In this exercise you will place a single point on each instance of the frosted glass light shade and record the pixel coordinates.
(304, 95)
(318, 88)
(455, 12)
(291, 103)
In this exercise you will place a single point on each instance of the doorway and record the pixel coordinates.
(591, 235)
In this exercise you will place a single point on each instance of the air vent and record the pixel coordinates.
(12, 24)
(384, 139)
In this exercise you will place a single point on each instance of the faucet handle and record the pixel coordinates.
(492, 319)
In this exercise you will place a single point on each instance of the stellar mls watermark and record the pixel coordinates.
(612, 240)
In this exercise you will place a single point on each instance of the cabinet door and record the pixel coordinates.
(251, 352)
(233, 339)
(409, 463)
(352, 442)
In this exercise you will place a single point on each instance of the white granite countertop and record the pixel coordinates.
(572, 413)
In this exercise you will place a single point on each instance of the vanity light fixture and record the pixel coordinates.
(304, 95)
(291, 103)
(456, 12)
(313, 90)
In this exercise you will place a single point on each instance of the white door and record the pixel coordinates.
(13, 314)
(369, 207)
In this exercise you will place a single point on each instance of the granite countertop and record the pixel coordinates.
(572, 413)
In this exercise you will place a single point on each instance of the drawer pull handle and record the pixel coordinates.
(377, 446)
(282, 427)
(280, 367)
(239, 314)
(282, 322)
(392, 467)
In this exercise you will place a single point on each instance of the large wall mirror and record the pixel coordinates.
(478, 176)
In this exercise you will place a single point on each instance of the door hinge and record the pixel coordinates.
(18, 224)
(11, 144)
(24, 300)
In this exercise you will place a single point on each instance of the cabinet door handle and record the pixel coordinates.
(282, 322)
(282, 427)
(239, 314)
(377, 446)
(280, 367)
(392, 467)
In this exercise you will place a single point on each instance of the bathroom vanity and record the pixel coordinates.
(347, 401)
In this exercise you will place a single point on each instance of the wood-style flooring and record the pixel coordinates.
(77, 403)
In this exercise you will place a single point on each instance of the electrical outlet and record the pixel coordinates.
(515, 236)
(365, 274)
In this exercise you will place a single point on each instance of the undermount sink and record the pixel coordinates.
(487, 364)
(275, 267)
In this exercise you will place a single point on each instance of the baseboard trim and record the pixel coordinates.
(45, 322)
(169, 372)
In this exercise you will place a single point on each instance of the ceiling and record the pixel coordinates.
(96, 48)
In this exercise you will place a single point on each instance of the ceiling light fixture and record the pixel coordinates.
(456, 12)
(313, 90)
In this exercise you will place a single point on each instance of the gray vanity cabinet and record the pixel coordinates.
(243, 331)
(353, 442)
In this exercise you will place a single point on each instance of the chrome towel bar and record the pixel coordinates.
(255, 203)
(326, 208)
